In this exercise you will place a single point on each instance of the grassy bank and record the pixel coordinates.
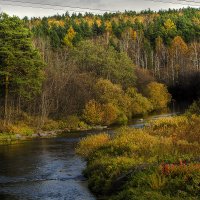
(159, 162)
(31, 127)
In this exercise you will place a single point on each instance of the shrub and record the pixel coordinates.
(194, 108)
(110, 114)
(158, 95)
(136, 155)
(17, 128)
(107, 92)
(50, 124)
(90, 144)
(103, 172)
(6, 138)
(179, 128)
(139, 105)
(22, 129)
(93, 113)
(122, 119)
(73, 122)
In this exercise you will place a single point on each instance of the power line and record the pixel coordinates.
(56, 9)
(7, 4)
(64, 7)
(176, 3)
(56, 5)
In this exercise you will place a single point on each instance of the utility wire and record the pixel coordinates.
(56, 9)
(184, 2)
(176, 3)
(57, 5)
(64, 7)
(7, 4)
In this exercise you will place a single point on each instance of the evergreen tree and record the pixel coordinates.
(21, 68)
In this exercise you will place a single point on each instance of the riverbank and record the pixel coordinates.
(28, 127)
(24, 131)
(10, 138)
(160, 161)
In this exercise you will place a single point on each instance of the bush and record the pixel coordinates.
(158, 95)
(93, 113)
(122, 119)
(139, 105)
(22, 129)
(90, 144)
(6, 138)
(194, 108)
(50, 124)
(151, 161)
(109, 93)
(110, 114)
(179, 128)
(103, 171)
(17, 128)
(73, 122)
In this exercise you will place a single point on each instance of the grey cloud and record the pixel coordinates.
(120, 5)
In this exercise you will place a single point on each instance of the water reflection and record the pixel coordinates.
(42, 169)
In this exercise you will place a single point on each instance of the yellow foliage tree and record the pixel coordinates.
(108, 30)
(99, 22)
(93, 113)
(179, 46)
(169, 24)
(55, 22)
(108, 92)
(158, 95)
(159, 44)
(134, 35)
(140, 105)
(68, 39)
(110, 114)
(108, 26)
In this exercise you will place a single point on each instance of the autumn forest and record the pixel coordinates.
(127, 53)
(76, 72)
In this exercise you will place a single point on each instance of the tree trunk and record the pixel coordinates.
(6, 101)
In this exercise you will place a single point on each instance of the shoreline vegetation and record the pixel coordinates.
(12, 133)
(160, 161)
(20, 131)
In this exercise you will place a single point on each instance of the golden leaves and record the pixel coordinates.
(69, 37)
(179, 45)
(169, 24)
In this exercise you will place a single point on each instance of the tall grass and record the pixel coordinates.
(166, 147)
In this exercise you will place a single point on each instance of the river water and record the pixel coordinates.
(46, 169)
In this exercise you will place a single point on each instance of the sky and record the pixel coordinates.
(115, 5)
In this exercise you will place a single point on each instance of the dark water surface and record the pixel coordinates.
(43, 169)
(47, 169)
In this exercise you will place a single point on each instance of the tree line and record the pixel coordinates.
(90, 80)
(166, 42)
(52, 67)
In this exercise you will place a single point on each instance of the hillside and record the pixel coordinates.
(165, 42)
(88, 70)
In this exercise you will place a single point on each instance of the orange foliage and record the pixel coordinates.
(178, 45)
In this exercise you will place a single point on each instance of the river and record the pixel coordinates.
(46, 169)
